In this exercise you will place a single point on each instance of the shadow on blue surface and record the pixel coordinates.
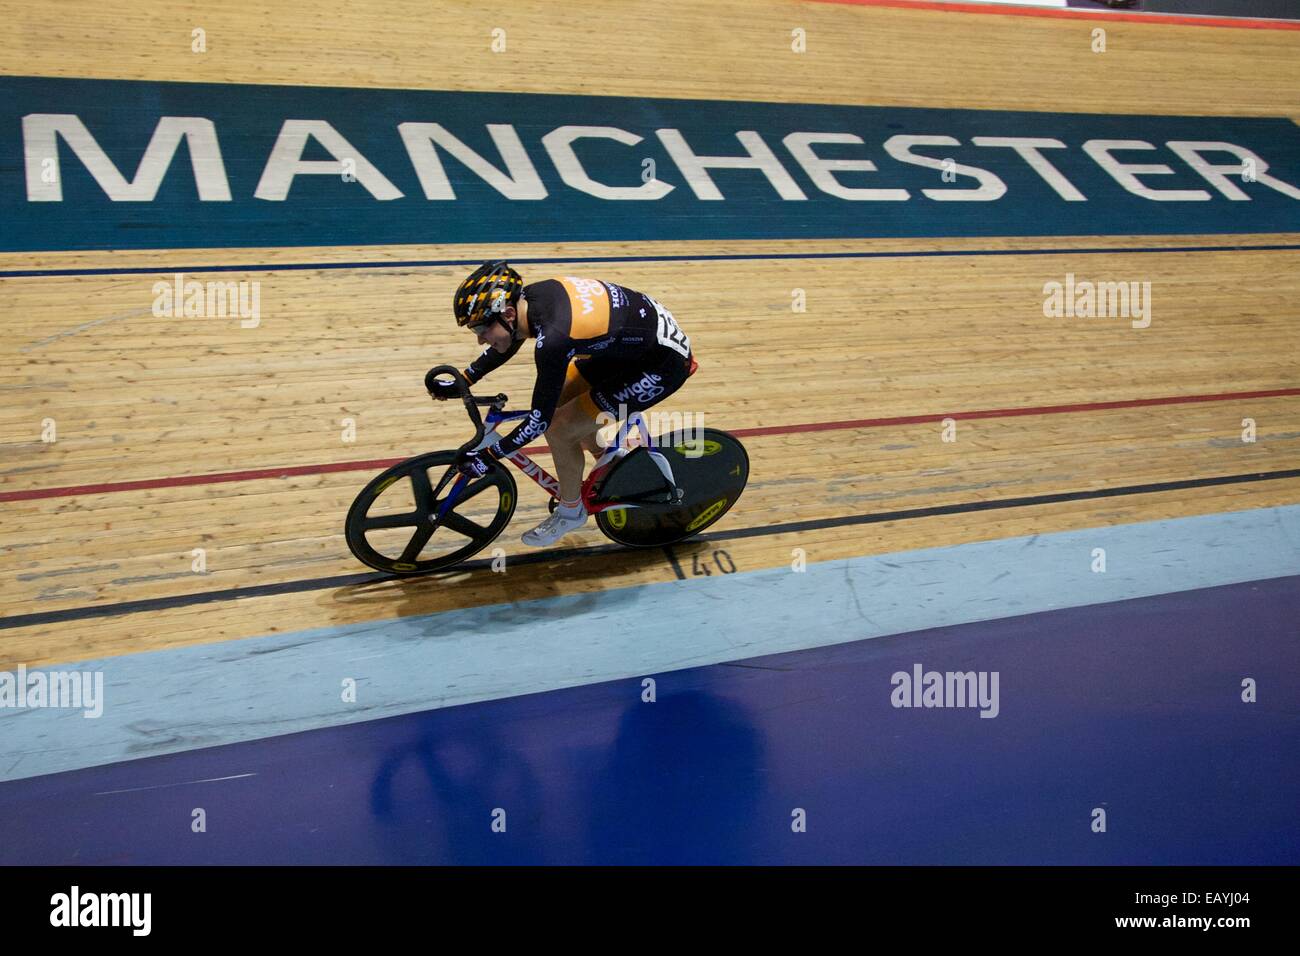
(1134, 707)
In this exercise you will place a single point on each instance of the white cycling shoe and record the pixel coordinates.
(555, 527)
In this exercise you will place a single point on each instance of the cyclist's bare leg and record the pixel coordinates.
(572, 431)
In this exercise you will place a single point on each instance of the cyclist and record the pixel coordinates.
(600, 347)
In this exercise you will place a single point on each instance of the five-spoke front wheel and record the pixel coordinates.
(393, 524)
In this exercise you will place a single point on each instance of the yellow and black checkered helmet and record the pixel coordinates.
(483, 296)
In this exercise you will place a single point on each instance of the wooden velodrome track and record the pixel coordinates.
(891, 344)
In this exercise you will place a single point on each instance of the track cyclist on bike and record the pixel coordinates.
(600, 347)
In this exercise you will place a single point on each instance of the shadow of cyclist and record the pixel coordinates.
(680, 785)
(553, 573)
(436, 799)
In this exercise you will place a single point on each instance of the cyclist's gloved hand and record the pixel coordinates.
(442, 390)
(473, 464)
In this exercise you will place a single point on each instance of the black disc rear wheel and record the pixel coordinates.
(710, 468)
(391, 524)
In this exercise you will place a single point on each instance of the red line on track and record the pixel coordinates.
(1013, 412)
(377, 463)
(1067, 13)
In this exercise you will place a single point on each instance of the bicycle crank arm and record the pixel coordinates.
(649, 498)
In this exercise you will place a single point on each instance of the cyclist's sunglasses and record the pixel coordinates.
(478, 328)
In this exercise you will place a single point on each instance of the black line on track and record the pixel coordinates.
(537, 557)
(672, 559)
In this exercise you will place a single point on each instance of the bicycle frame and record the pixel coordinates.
(545, 479)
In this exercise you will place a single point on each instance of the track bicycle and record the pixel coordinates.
(422, 515)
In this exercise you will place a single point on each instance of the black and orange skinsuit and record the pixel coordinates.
(618, 349)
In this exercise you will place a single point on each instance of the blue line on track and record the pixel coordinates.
(702, 257)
